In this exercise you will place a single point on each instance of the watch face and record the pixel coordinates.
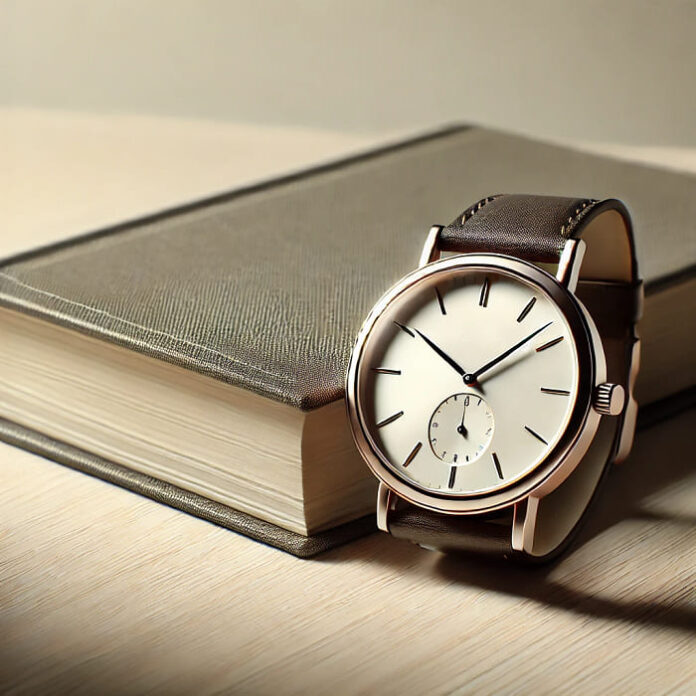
(466, 379)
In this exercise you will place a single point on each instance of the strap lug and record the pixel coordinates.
(431, 250)
(386, 502)
(569, 264)
(524, 524)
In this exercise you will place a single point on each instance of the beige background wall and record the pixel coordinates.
(621, 71)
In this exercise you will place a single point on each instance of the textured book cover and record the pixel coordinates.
(265, 288)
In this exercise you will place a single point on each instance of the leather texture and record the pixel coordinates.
(529, 227)
(487, 536)
(536, 228)
(266, 288)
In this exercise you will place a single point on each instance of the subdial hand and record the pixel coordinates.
(461, 428)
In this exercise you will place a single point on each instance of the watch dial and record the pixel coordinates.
(467, 380)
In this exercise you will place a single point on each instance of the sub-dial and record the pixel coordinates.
(461, 428)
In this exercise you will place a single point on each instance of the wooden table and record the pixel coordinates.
(103, 591)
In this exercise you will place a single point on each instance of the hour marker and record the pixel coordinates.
(386, 371)
(389, 420)
(453, 474)
(497, 465)
(536, 435)
(527, 309)
(406, 329)
(440, 302)
(485, 289)
(413, 454)
(454, 459)
(552, 342)
(560, 392)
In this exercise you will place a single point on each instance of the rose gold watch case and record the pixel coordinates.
(583, 422)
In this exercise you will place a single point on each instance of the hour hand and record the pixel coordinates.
(442, 354)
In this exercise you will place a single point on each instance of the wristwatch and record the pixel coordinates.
(490, 389)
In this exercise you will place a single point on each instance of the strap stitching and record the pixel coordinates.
(579, 213)
(471, 211)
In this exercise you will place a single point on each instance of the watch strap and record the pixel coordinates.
(537, 228)
(559, 516)
(483, 534)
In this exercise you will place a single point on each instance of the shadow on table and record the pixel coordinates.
(662, 458)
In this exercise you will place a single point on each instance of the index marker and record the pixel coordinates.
(535, 434)
(440, 302)
(497, 465)
(413, 454)
(485, 290)
(386, 371)
(551, 343)
(406, 329)
(527, 309)
(389, 420)
(453, 475)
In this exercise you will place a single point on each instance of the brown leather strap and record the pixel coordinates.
(536, 228)
(488, 535)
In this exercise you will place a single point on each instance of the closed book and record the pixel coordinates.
(198, 355)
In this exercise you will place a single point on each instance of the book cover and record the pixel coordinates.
(265, 288)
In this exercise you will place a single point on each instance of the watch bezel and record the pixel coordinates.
(581, 427)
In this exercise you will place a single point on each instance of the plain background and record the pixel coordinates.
(619, 71)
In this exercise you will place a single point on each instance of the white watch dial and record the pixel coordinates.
(470, 381)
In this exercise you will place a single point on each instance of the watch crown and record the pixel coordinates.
(609, 399)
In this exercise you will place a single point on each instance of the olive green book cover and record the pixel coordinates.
(263, 289)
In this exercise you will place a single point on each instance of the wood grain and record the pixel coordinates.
(102, 591)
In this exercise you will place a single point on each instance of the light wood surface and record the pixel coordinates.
(64, 173)
(106, 592)
(102, 591)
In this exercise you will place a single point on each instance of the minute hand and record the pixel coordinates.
(475, 375)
